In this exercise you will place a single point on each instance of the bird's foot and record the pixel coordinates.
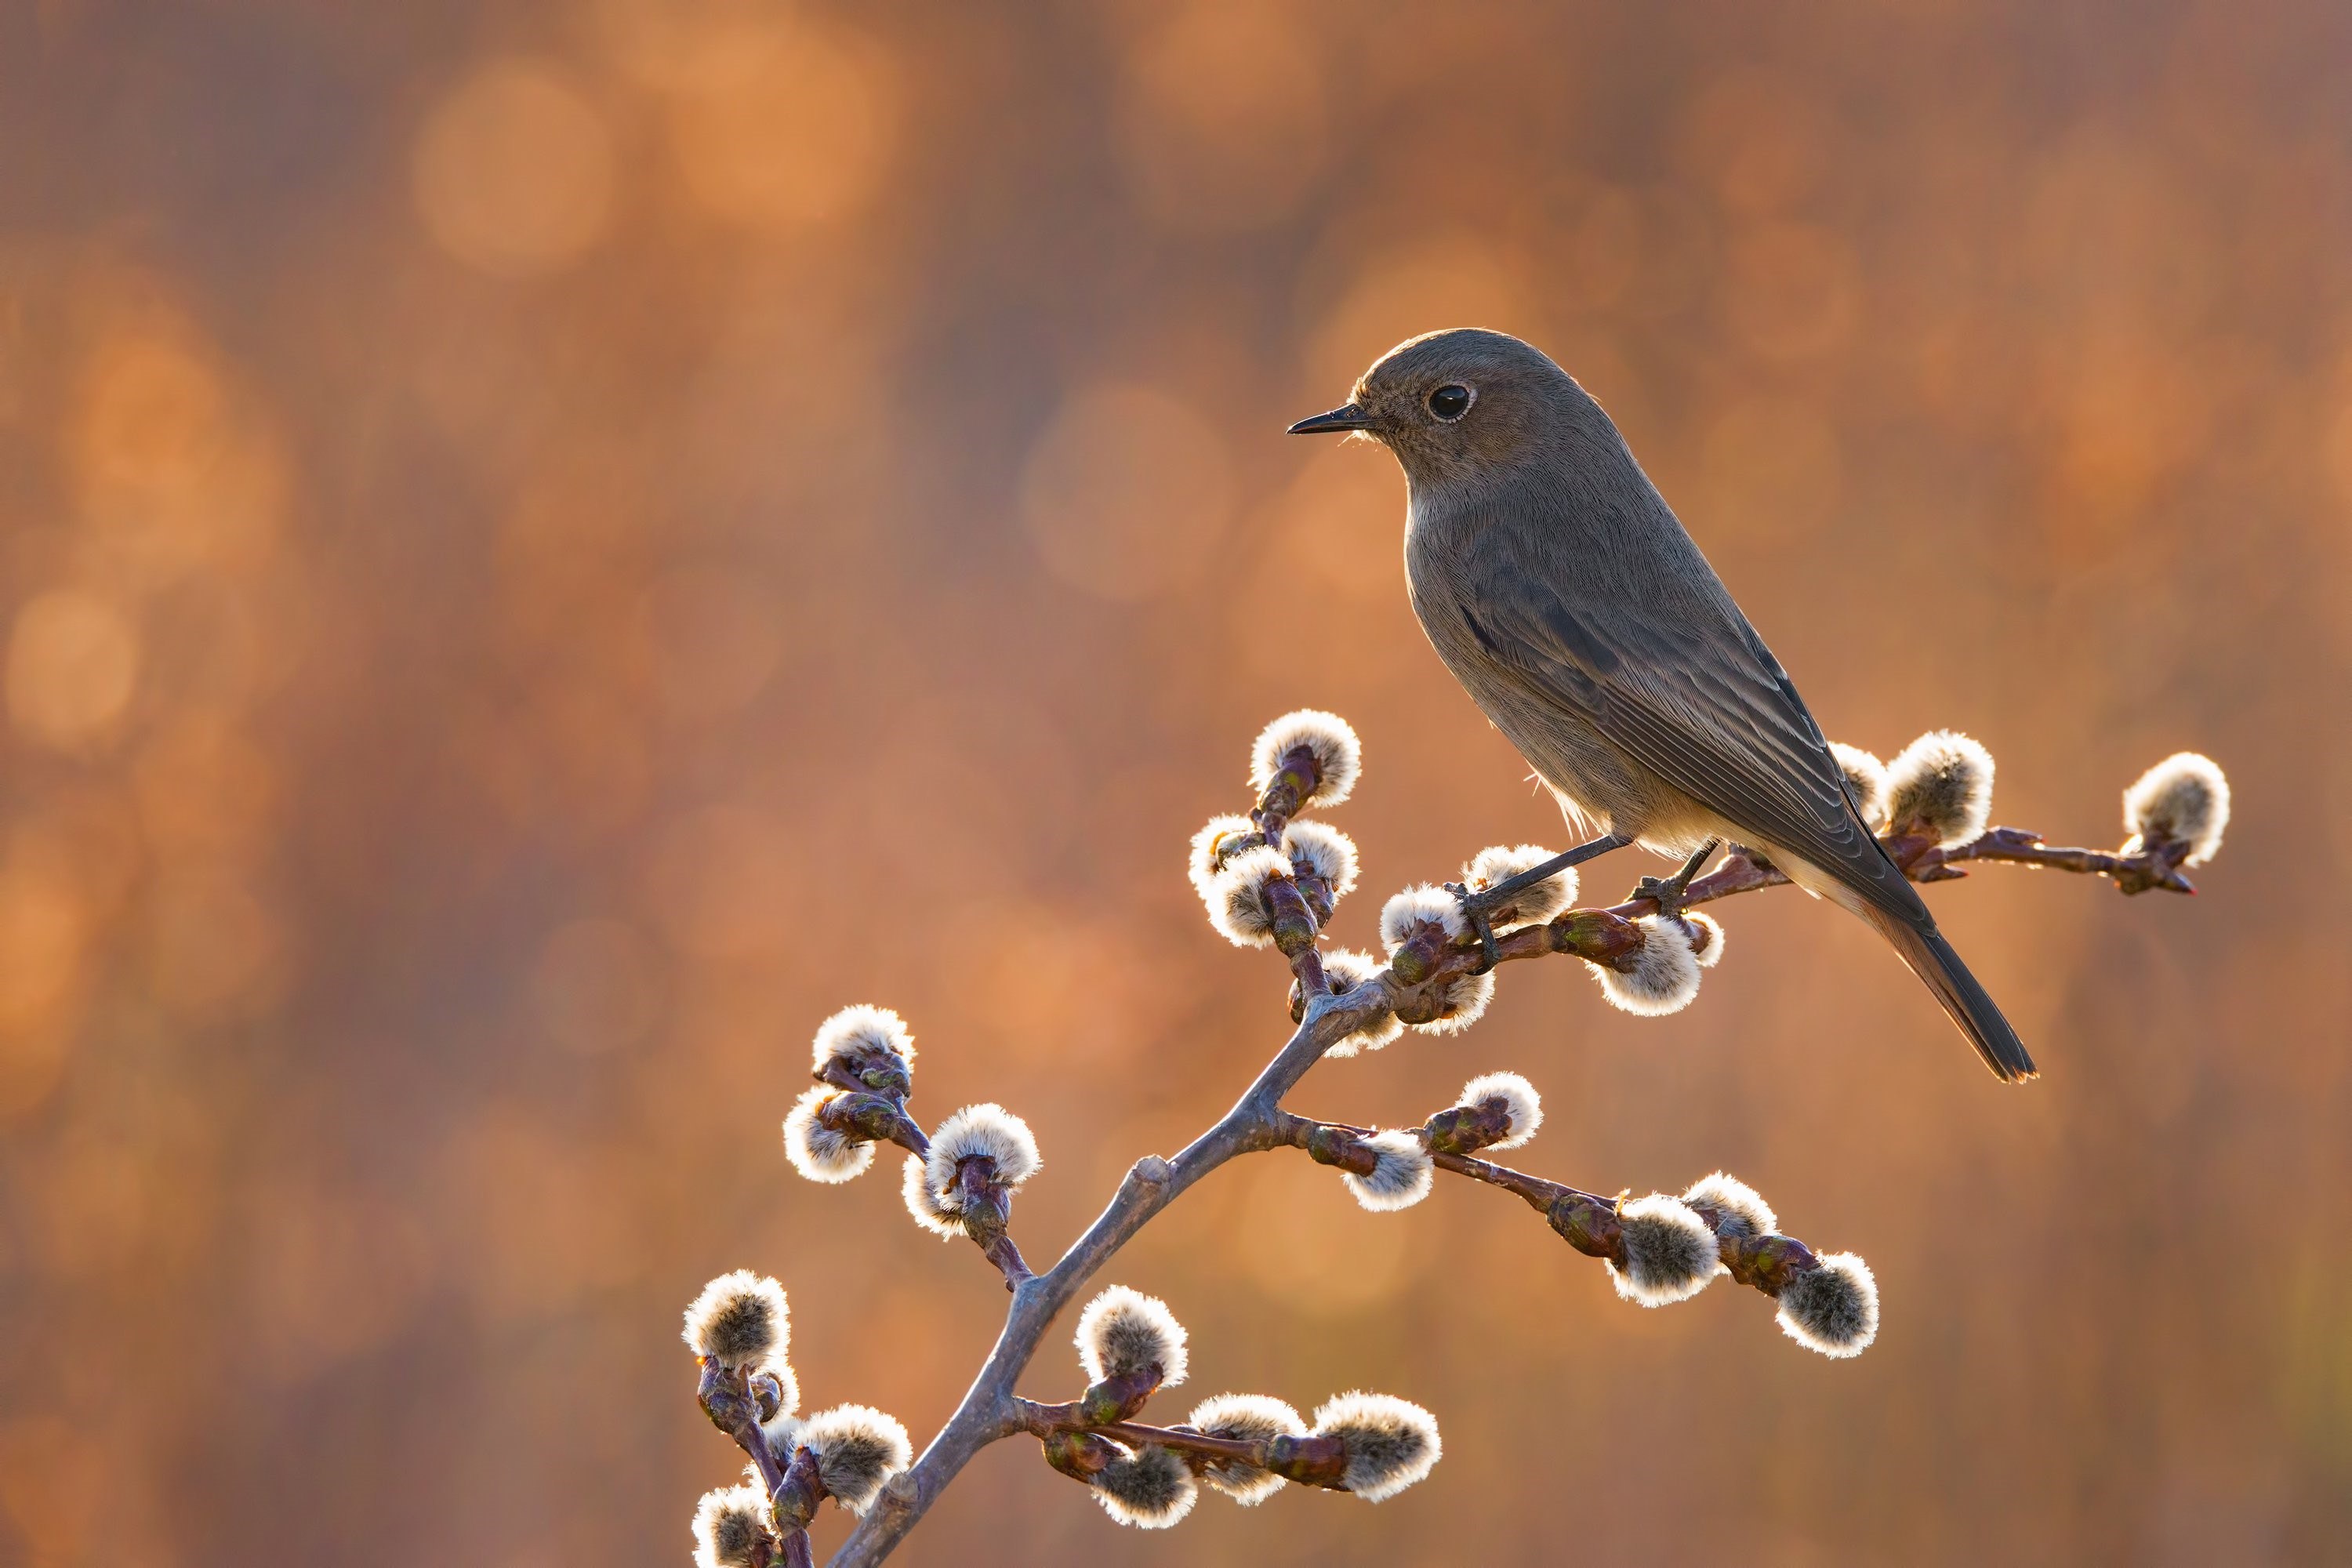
(1479, 905)
(1475, 907)
(1668, 892)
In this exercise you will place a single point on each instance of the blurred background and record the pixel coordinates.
(546, 547)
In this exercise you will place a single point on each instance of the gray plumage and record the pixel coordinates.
(1561, 591)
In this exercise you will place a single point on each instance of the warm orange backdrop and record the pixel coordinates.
(549, 546)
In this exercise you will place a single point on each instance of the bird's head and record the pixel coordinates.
(1458, 403)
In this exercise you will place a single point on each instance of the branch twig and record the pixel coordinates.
(990, 1410)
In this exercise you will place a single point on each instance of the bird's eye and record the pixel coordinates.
(1450, 402)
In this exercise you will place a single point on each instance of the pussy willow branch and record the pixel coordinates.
(1586, 1221)
(1310, 1460)
(2156, 866)
(989, 1410)
(733, 1405)
(1605, 936)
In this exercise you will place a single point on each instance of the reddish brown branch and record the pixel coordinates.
(987, 1208)
(1008, 1261)
(2155, 866)
(1114, 1398)
(1535, 1191)
(1586, 1221)
(1296, 929)
(727, 1398)
(1316, 1461)
(1295, 781)
(1608, 936)
(735, 1402)
(1332, 1143)
(792, 1502)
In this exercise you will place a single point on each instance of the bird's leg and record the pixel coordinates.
(1477, 906)
(1668, 894)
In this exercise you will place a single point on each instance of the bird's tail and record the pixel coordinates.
(1972, 1008)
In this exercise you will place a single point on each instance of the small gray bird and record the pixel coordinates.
(1564, 595)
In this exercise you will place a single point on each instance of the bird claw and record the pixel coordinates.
(1667, 893)
(1474, 910)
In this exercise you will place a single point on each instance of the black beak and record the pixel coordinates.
(1347, 416)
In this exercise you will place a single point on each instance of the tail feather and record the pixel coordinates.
(1931, 958)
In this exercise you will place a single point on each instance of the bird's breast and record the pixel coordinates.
(1523, 695)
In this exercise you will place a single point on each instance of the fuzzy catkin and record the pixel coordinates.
(740, 1319)
(1940, 785)
(1832, 1308)
(1422, 910)
(1499, 863)
(1520, 1098)
(1401, 1176)
(861, 1029)
(2184, 799)
(783, 1430)
(1123, 1331)
(788, 1386)
(1461, 1002)
(1345, 969)
(1314, 847)
(1670, 1254)
(1206, 860)
(731, 1528)
(1665, 976)
(858, 1449)
(1149, 1488)
(1239, 911)
(1705, 933)
(1419, 909)
(1390, 1443)
(928, 1208)
(1865, 779)
(1743, 1209)
(981, 1131)
(1338, 756)
(816, 1151)
(1247, 1418)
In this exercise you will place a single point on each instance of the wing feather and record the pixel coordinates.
(1701, 704)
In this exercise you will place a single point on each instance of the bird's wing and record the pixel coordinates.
(1699, 701)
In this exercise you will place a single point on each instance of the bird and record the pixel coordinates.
(1559, 587)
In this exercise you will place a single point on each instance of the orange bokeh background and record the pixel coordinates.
(545, 547)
